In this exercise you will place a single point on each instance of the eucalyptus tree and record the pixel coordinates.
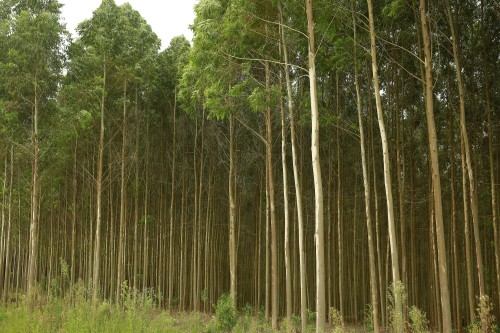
(318, 184)
(225, 81)
(30, 73)
(436, 180)
(115, 48)
(385, 147)
(171, 63)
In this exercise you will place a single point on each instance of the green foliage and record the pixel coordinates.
(337, 321)
(225, 313)
(485, 320)
(396, 320)
(368, 318)
(418, 321)
(76, 313)
(147, 220)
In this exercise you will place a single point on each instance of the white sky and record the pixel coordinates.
(167, 18)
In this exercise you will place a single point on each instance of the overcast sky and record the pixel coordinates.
(168, 18)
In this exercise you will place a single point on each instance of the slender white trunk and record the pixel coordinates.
(366, 182)
(318, 184)
(387, 171)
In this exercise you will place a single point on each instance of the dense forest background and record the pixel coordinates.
(188, 171)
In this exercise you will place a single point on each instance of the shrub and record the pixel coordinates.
(337, 321)
(486, 321)
(225, 313)
(396, 292)
(418, 321)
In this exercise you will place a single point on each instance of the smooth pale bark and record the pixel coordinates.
(468, 254)
(97, 246)
(145, 234)
(196, 223)
(172, 200)
(121, 232)
(288, 278)
(366, 183)
(318, 184)
(454, 232)
(73, 220)
(272, 209)
(232, 215)
(4, 204)
(298, 191)
(267, 272)
(387, 172)
(436, 181)
(199, 209)
(34, 221)
(6, 280)
(340, 243)
(136, 196)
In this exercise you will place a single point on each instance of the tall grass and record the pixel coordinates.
(75, 312)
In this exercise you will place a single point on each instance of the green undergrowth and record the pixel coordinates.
(137, 312)
(76, 313)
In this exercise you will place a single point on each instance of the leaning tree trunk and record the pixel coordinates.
(387, 172)
(366, 182)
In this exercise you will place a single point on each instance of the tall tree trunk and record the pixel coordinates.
(232, 215)
(73, 220)
(172, 200)
(288, 278)
(136, 196)
(387, 172)
(298, 192)
(436, 182)
(34, 227)
(468, 157)
(494, 203)
(6, 280)
(366, 183)
(121, 232)
(97, 246)
(318, 184)
(493, 185)
(272, 211)
(4, 204)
